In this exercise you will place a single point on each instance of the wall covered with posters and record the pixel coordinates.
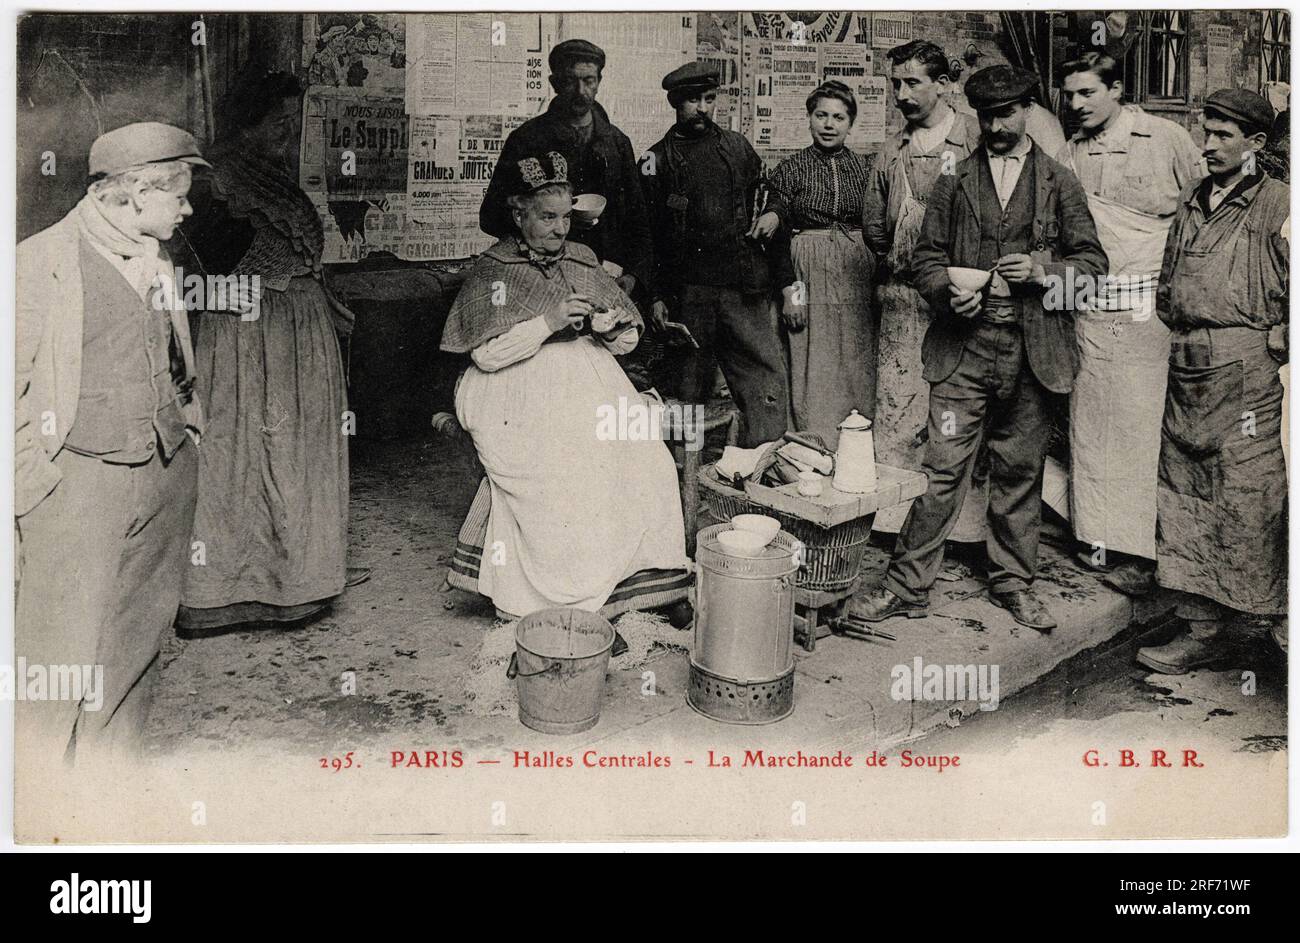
(423, 102)
(80, 74)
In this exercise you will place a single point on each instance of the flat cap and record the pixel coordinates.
(690, 77)
(1244, 106)
(1000, 85)
(146, 142)
(575, 50)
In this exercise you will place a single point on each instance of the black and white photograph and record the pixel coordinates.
(649, 426)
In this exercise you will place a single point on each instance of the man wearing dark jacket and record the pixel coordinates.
(700, 185)
(995, 355)
(600, 160)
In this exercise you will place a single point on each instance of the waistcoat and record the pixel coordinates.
(129, 403)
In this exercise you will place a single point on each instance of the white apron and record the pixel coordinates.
(574, 511)
(1119, 394)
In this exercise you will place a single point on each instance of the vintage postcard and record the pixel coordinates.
(682, 425)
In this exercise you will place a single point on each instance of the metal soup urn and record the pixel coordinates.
(742, 649)
(855, 457)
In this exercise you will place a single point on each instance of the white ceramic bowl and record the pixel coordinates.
(588, 206)
(742, 543)
(810, 484)
(766, 527)
(968, 279)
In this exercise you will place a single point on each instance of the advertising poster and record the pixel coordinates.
(356, 50)
(478, 63)
(352, 166)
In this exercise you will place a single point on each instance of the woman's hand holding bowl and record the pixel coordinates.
(608, 325)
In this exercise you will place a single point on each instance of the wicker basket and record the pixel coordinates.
(832, 555)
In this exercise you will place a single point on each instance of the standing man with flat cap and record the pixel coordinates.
(710, 274)
(994, 356)
(1221, 507)
(600, 160)
(105, 430)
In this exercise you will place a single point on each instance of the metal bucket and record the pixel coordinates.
(743, 639)
(744, 619)
(560, 660)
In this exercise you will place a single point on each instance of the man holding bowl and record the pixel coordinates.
(600, 161)
(997, 350)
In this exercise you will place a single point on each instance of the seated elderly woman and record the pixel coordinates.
(575, 518)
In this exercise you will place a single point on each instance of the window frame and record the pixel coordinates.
(1277, 24)
(1137, 61)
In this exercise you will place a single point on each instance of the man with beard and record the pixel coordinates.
(600, 161)
(700, 184)
(932, 142)
(1221, 507)
(1133, 166)
(994, 355)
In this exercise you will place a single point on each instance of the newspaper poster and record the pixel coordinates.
(780, 96)
(640, 49)
(477, 63)
(1219, 42)
(873, 112)
(784, 58)
(353, 167)
(890, 29)
(451, 162)
(718, 43)
(356, 50)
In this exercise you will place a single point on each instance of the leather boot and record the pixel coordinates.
(1025, 608)
(881, 604)
(1132, 578)
(1197, 648)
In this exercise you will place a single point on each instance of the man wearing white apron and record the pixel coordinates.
(1132, 166)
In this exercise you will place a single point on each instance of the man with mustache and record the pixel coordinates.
(710, 274)
(1132, 165)
(1221, 516)
(600, 161)
(105, 430)
(931, 143)
(995, 356)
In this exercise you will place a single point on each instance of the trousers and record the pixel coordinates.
(740, 332)
(992, 395)
(102, 560)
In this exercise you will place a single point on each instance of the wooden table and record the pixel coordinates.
(893, 487)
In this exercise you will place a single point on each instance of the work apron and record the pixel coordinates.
(1119, 393)
(1222, 501)
(902, 394)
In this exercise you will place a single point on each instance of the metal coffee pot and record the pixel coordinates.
(855, 459)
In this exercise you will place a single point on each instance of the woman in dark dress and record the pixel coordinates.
(825, 269)
(272, 520)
